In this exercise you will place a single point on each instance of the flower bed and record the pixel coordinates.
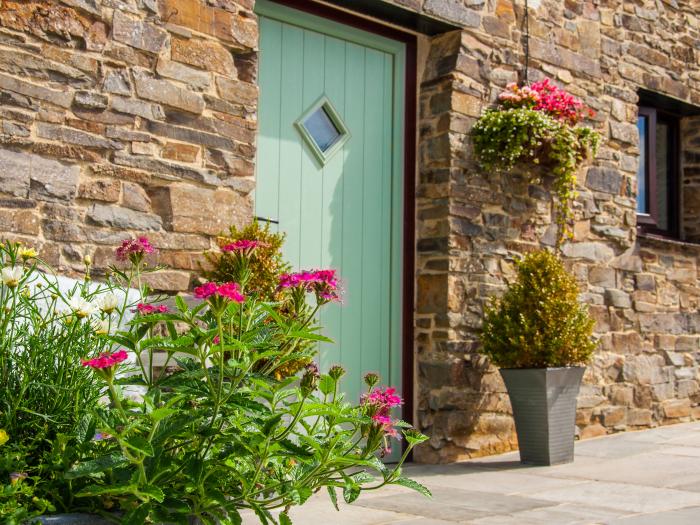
(228, 427)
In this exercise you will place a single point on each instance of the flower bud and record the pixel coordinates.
(371, 379)
(27, 253)
(336, 372)
(87, 260)
(309, 381)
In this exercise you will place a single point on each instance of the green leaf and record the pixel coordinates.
(326, 385)
(413, 437)
(296, 450)
(263, 514)
(105, 490)
(234, 517)
(95, 466)
(140, 444)
(161, 413)
(334, 497)
(351, 492)
(363, 477)
(138, 515)
(304, 494)
(85, 429)
(154, 318)
(180, 303)
(172, 427)
(411, 484)
(270, 424)
(309, 336)
(152, 492)
(285, 519)
(123, 340)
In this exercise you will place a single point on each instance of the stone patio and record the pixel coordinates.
(650, 477)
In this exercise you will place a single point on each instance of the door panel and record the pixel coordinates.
(344, 213)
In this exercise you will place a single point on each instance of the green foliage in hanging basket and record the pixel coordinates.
(538, 125)
(539, 322)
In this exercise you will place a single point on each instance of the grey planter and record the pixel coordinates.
(544, 409)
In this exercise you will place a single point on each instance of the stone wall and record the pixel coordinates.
(472, 225)
(124, 117)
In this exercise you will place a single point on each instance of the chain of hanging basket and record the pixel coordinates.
(527, 42)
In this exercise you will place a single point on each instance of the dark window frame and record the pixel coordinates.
(648, 222)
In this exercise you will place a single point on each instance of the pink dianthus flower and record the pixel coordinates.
(324, 283)
(242, 245)
(134, 248)
(146, 309)
(231, 291)
(205, 291)
(106, 360)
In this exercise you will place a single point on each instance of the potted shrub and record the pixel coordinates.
(540, 336)
(538, 126)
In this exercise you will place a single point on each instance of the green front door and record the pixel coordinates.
(329, 175)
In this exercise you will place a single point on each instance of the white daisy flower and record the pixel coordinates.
(101, 326)
(108, 302)
(11, 275)
(81, 306)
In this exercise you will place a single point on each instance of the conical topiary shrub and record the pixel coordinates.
(538, 333)
(539, 322)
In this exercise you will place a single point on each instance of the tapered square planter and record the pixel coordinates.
(544, 409)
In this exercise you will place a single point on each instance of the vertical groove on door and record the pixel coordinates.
(311, 169)
(372, 227)
(331, 256)
(290, 145)
(268, 166)
(351, 344)
(385, 339)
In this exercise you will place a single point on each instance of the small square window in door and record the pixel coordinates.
(323, 130)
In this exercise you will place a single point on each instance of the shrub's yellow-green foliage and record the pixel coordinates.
(265, 267)
(539, 322)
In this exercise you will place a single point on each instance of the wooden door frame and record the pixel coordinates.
(410, 99)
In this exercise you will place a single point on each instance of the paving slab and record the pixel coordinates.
(476, 502)
(687, 516)
(660, 470)
(512, 482)
(614, 447)
(622, 496)
(319, 511)
(637, 478)
(681, 450)
(564, 514)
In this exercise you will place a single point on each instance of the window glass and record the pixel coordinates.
(321, 128)
(663, 174)
(642, 124)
